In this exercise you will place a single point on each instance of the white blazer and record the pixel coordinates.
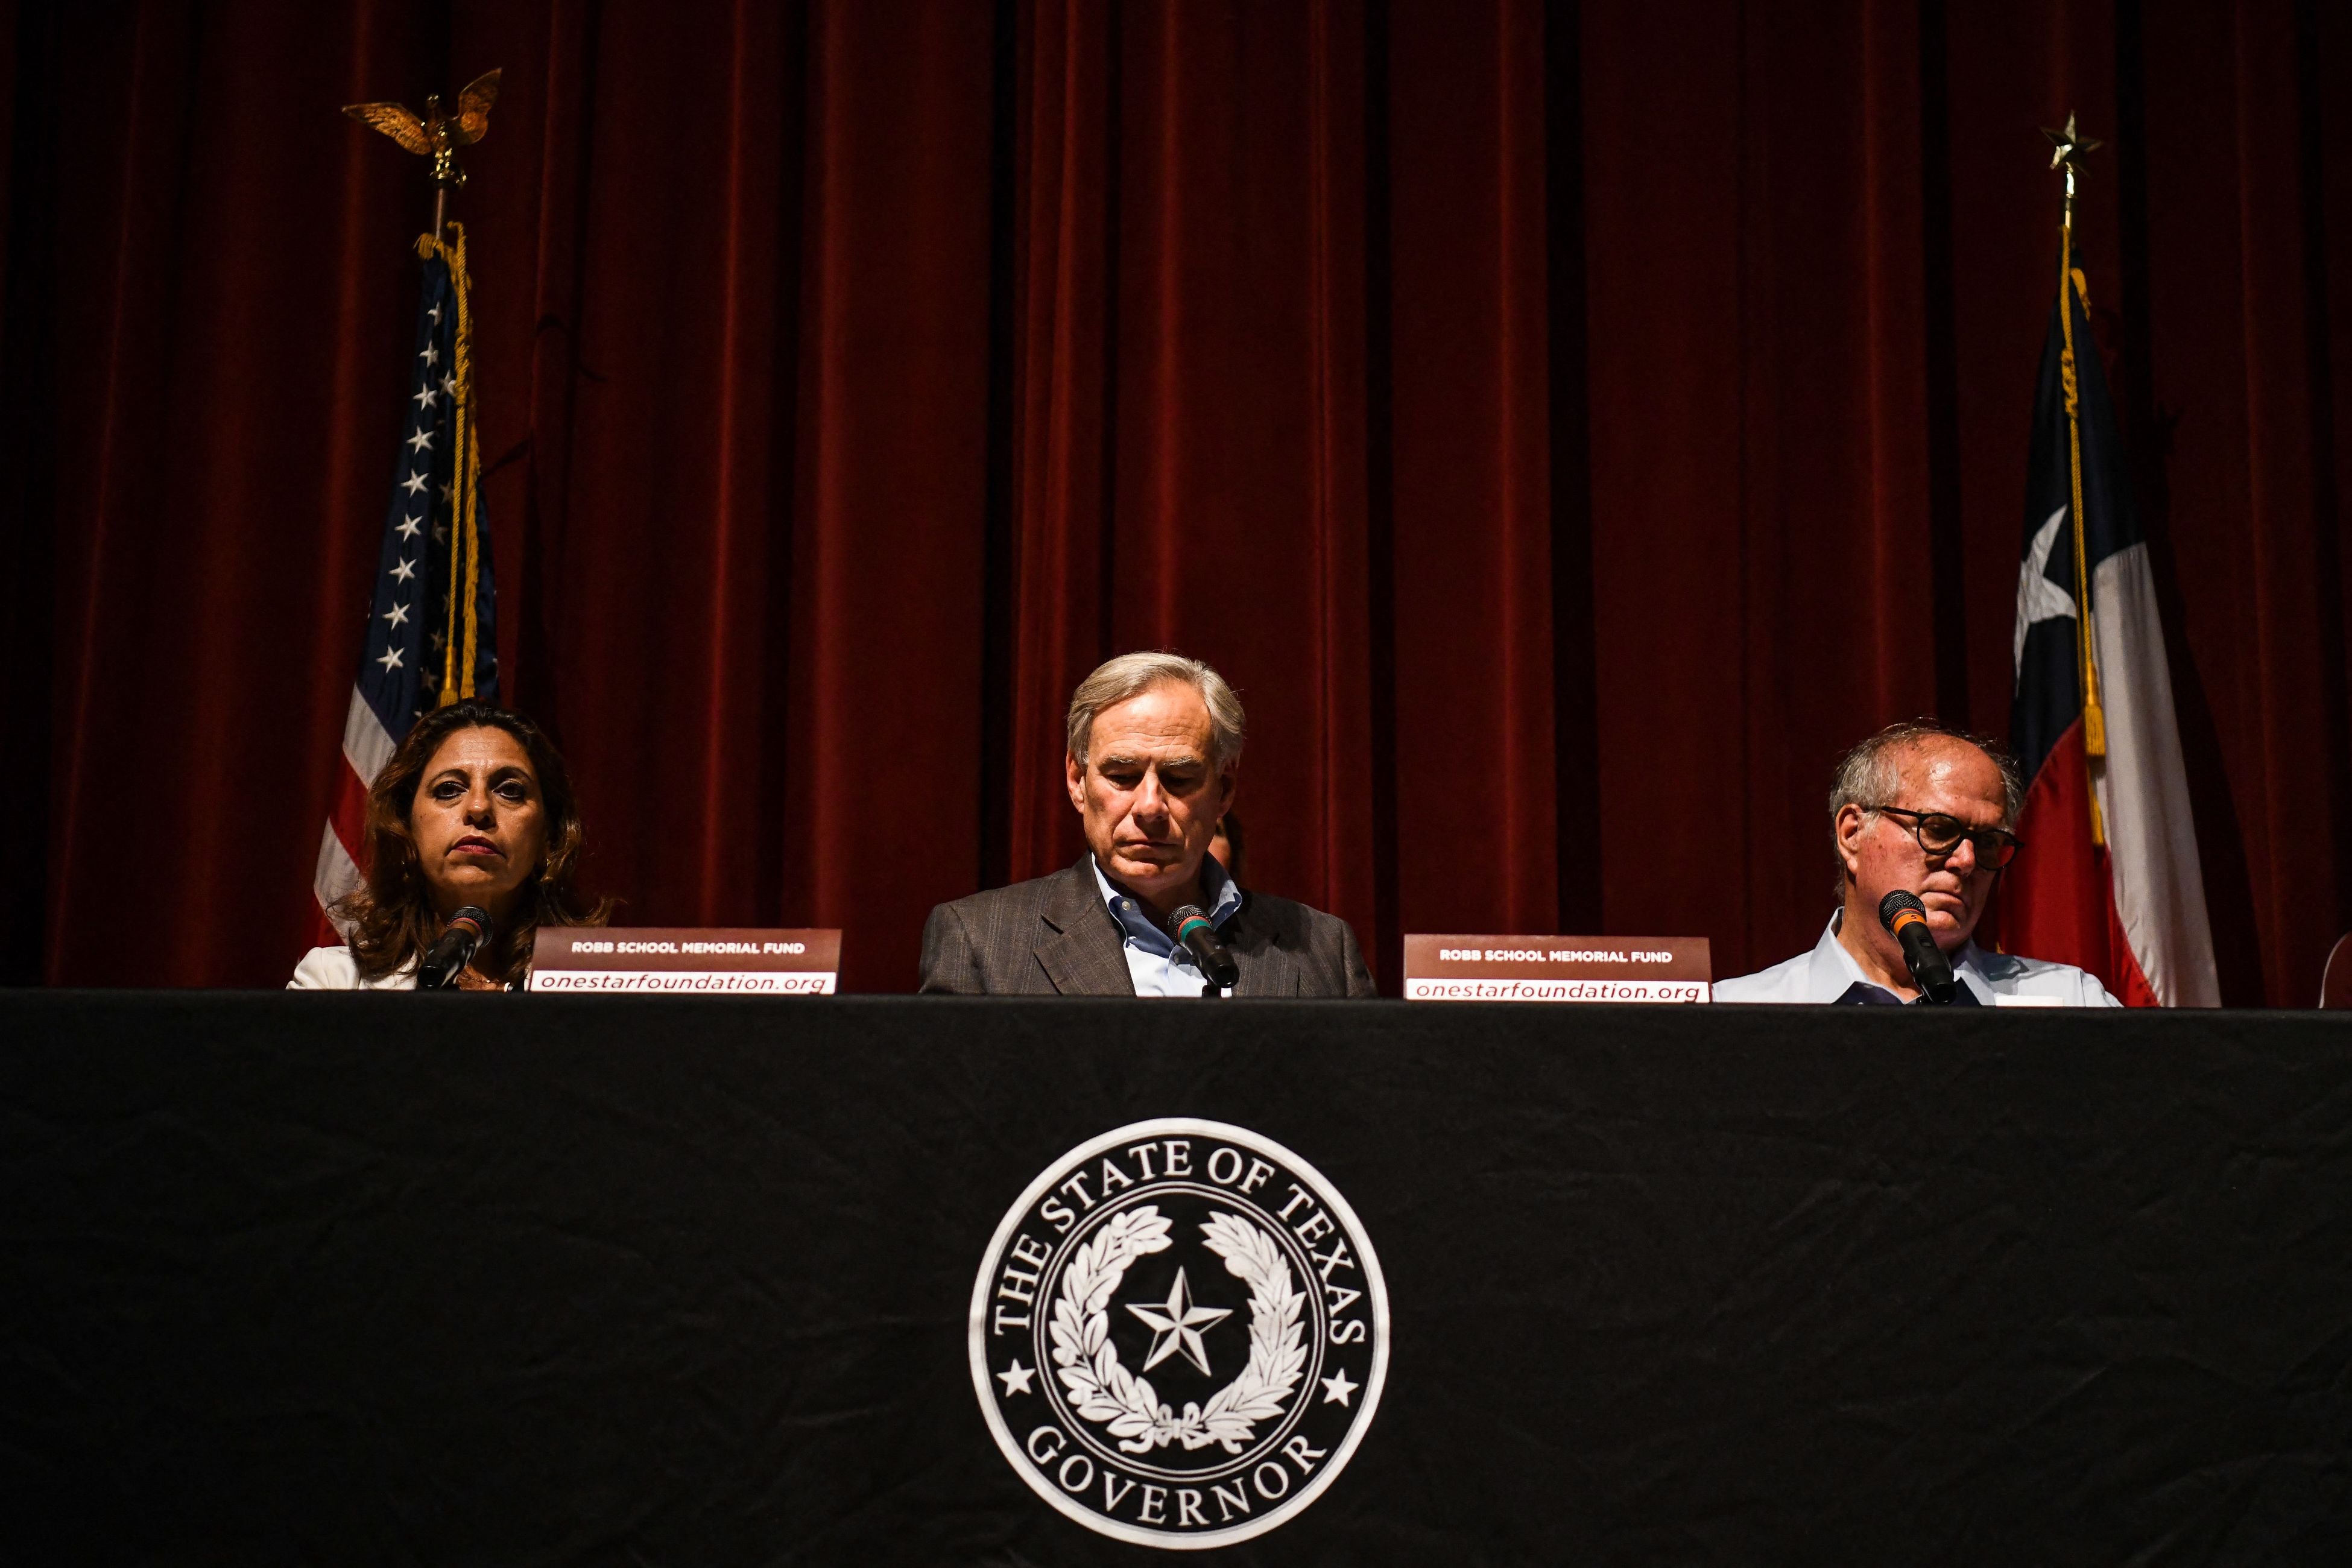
(1997, 979)
(333, 969)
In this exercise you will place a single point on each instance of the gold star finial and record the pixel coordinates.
(2067, 146)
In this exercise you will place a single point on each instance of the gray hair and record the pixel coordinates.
(1871, 775)
(1133, 674)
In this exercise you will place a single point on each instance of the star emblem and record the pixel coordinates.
(445, 492)
(1015, 1378)
(421, 440)
(405, 571)
(426, 397)
(2037, 598)
(413, 483)
(450, 387)
(398, 614)
(431, 354)
(2067, 146)
(407, 528)
(1178, 1326)
(1337, 1389)
(391, 660)
(436, 314)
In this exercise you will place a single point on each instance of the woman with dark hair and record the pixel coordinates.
(474, 808)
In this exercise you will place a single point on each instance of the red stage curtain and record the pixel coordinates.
(1568, 425)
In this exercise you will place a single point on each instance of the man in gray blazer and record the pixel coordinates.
(1154, 741)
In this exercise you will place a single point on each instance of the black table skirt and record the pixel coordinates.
(356, 1279)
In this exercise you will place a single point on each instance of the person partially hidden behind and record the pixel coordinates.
(474, 808)
(1154, 741)
(1228, 844)
(1922, 809)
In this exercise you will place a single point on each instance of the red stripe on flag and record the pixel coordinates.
(2058, 897)
(2123, 976)
(347, 820)
(2054, 896)
(349, 816)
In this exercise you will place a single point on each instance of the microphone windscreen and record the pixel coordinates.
(1897, 904)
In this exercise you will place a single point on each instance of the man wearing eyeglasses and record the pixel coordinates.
(1927, 810)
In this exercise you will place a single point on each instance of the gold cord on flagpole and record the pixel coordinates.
(460, 646)
(2067, 146)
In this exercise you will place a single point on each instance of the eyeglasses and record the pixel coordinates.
(1938, 835)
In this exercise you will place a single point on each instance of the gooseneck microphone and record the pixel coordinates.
(1199, 937)
(1903, 914)
(454, 949)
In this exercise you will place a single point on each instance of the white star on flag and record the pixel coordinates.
(436, 314)
(2037, 598)
(413, 483)
(407, 528)
(391, 660)
(421, 440)
(1016, 1377)
(425, 396)
(398, 614)
(405, 571)
(450, 387)
(431, 354)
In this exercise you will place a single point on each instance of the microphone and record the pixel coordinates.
(1208, 949)
(1903, 914)
(454, 949)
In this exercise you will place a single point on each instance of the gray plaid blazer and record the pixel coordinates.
(1052, 937)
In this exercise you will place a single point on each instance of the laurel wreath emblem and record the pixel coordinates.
(1104, 1391)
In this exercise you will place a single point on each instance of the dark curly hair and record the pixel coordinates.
(390, 920)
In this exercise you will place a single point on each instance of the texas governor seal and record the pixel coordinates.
(1179, 1333)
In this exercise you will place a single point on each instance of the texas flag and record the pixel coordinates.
(2108, 879)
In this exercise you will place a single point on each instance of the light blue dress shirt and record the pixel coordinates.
(1994, 979)
(1154, 962)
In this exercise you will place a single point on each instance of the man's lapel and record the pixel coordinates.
(1267, 970)
(1079, 947)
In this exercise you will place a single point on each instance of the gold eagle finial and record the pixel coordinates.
(433, 133)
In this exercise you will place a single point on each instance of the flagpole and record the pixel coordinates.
(2067, 147)
(439, 136)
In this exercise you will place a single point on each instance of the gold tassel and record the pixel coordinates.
(460, 647)
(2095, 723)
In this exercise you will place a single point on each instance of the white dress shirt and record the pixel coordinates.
(334, 969)
(1994, 979)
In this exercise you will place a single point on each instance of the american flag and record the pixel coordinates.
(431, 633)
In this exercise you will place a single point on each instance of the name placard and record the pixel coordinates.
(1558, 969)
(686, 960)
